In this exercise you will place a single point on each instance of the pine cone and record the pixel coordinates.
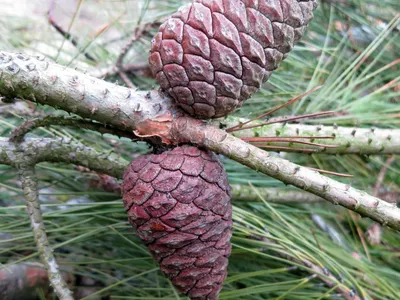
(212, 55)
(179, 203)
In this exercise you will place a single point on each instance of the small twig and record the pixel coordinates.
(137, 34)
(126, 79)
(283, 120)
(261, 139)
(275, 109)
(374, 232)
(102, 181)
(18, 134)
(136, 67)
(289, 149)
(355, 218)
(66, 34)
(330, 172)
(142, 67)
(30, 189)
(291, 141)
(382, 173)
(277, 195)
(286, 119)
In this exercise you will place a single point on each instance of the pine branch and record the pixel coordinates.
(366, 141)
(311, 181)
(47, 83)
(150, 114)
(55, 150)
(44, 82)
(29, 186)
(246, 193)
(62, 150)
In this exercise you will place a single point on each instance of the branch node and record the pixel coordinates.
(74, 80)
(31, 67)
(137, 108)
(13, 68)
(22, 57)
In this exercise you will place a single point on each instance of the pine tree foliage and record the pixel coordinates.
(280, 250)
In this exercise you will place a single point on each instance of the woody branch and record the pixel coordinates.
(151, 114)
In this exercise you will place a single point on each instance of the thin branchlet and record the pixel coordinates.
(30, 188)
(19, 133)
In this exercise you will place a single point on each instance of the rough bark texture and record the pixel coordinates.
(29, 187)
(311, 181)
(212, 55)
(153, 115)
(179, 202)
(61, 150)
(45, 82)
(348, 140)
(39, 80)
(64, 150)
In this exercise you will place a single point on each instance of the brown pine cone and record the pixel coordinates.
(212, 55)
(179, 203)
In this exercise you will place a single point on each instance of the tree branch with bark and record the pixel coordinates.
(35, 150)
(153, 116)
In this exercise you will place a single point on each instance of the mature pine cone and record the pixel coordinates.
(179, 202)
(212, 55)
